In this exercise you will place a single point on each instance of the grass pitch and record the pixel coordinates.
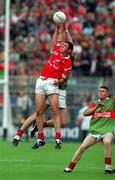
(46, 163)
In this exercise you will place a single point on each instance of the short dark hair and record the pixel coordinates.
(70, 45)
(104, 87)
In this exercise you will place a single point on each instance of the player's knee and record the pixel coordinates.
(39, 112)
(54, 110)
(107, 143)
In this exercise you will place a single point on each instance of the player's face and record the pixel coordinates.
(102, 93)
(64, 48)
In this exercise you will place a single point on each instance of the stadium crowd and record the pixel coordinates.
(92, 25)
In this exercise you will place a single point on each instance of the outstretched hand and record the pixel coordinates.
(62, 28)
(66, 25)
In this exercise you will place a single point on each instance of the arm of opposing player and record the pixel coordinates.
(92, 108)
(66, 74)
(62, 79)
(67, 70)
(89, 111)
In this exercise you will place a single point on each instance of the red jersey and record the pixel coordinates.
(57, 65)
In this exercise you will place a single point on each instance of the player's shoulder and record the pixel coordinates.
(111, 99)
(92, 104)
(95, 101)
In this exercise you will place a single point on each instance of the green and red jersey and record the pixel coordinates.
(103, 119)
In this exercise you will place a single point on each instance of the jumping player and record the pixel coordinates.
(55, 72)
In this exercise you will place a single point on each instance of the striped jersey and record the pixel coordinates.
(103, 119)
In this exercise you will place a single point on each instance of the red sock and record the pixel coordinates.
(58, 135)
(71, 165)
(19, 132)
(41, 135)
(108, 161)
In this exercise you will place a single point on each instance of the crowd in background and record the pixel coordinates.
(92, 25)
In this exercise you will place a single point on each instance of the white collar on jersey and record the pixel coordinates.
(104, 100)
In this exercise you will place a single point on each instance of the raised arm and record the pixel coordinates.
(58, 35)
(54, 38)
(61, 32)
(67, 34)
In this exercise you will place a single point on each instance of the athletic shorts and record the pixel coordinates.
(99, 137)
(62, 99)
(46, 86)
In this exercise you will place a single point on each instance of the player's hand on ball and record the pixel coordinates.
(66, 26)
(59, 17)
(62, 28)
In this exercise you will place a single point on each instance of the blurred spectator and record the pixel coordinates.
(83, 121)
(24, 103)
(85, 62)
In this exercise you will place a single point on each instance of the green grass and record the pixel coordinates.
(46, 163)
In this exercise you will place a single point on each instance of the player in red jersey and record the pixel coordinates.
(54, 72)
(102, 126)
(62, 102)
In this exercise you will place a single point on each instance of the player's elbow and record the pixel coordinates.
(85, 113)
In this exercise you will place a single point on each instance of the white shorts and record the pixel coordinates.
(99, 137)
(62, 99)
(46, 86)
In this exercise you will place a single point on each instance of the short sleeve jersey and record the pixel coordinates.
(57, 65)
(103, 119)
